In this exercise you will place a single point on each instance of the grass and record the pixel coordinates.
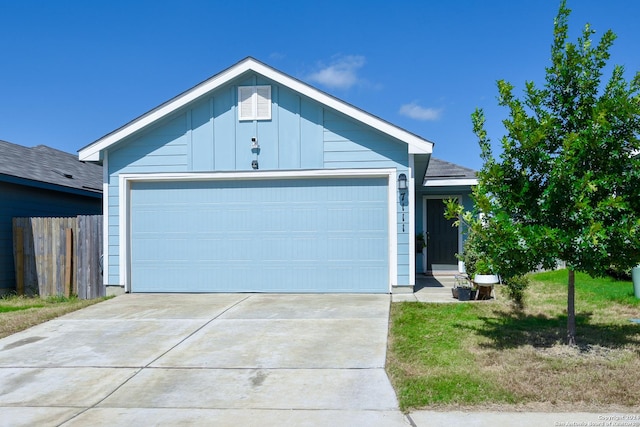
(18, 313)
(489, 355)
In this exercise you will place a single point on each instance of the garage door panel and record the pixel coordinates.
(373, 249)
(313, 235)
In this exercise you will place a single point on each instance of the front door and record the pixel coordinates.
(441, 238)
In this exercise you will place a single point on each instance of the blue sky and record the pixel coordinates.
(72, 71)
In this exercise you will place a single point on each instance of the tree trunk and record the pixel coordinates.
(571, 309)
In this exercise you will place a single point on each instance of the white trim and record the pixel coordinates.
(254, 102)
(303, 173)
(416, 145)
(424, 225)
(450, 182)
(105, 220)
(419, 149)
(123, 230)
(412, 221)
(393, 229)
(125, 181)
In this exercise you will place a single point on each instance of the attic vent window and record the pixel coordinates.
(254, 102)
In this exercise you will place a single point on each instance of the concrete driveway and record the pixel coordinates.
(204, 359)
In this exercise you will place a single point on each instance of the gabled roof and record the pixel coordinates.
(47, 165)
(443, 173)
(92, 152)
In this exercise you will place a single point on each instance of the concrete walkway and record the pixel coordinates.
(520, 419)
(430, 289)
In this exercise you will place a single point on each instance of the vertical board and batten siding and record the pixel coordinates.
(206, 136)
(26, 201)
(44, 255)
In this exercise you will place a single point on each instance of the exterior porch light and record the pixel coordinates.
(402, 182)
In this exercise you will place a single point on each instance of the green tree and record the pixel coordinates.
(567, 183)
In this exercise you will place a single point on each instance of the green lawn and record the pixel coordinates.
(487, 353)
(19, 313)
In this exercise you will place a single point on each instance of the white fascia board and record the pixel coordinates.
(450, 182)
(92, 157)
(421, 148)
(416, 144)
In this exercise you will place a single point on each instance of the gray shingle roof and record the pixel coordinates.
(48, 165)
(443, 170)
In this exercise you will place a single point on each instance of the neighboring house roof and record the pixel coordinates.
(416, 144)
(46, 165)
(442, 173)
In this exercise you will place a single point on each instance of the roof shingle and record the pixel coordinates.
(443, 170)
(48, 165)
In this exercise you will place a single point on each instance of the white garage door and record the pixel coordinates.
(269, 235)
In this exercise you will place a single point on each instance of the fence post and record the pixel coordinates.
(19, 261)
(67, 265)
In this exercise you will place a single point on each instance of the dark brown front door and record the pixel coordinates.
(442, 236)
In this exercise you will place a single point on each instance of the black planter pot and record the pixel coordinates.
(464, 294)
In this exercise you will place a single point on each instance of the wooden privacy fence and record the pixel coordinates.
(58, 256)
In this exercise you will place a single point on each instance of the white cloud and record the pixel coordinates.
(415, 111)
(341, 73)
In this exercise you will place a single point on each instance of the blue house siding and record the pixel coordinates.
(348, 144)
(202, 152)
(28, 201)
(224, 131)
(289, 130)
(206, 136)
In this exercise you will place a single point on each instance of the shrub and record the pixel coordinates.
(619, 274)
(516, 287)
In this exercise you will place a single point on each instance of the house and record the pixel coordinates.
(41, 181)
(253, 181)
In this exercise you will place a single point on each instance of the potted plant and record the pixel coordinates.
(484, 274)
(420, 242)
(465, 291)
